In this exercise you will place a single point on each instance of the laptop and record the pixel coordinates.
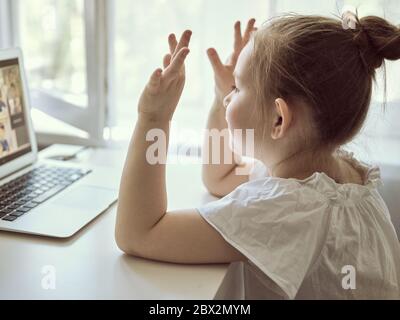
(41, 197)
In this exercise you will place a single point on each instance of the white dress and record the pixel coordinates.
(310, 239)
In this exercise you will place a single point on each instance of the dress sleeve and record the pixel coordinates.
(267, 222)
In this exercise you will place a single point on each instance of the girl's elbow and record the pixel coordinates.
(125, 245)
(129, 240)
(122, 243)
(212, 185)
(124, 239)
(215, 188)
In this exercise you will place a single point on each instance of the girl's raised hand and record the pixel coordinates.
(224, 79)
(163, 92)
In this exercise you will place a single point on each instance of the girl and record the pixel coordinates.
(314, 226)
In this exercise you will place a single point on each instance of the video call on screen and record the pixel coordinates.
(14, 135)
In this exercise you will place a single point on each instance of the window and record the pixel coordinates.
(55, 60)
(141, 33)
(66, 58)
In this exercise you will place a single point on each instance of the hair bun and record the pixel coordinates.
(378, 40)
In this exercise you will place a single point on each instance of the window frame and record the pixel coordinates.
(7, 25)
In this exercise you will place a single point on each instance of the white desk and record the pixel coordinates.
(90, 266)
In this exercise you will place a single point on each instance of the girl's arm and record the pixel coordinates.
(144, 227)
(222, 178)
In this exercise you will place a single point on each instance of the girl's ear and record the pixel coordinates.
(282, 119)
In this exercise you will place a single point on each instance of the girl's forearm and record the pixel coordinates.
(228, 160)
(143, 195)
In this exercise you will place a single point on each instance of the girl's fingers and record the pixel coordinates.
(177, 63)
(215, 60)
(173, 43)
(238, 37)
(184, 42)
(249, 29)
(167, 61)
(233, 59)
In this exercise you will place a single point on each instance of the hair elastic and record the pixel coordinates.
(349, 17)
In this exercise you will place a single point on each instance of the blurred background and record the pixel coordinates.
(88, 61)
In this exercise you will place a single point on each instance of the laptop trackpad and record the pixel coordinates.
(86, 197)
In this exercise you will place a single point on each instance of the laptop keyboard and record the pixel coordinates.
(25, 193)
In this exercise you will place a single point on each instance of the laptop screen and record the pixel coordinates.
(14, 134)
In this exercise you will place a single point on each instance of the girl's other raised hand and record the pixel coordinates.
(224, 79)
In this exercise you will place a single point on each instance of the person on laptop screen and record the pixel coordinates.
(13, 131)
(3, 106)
(4, 146)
